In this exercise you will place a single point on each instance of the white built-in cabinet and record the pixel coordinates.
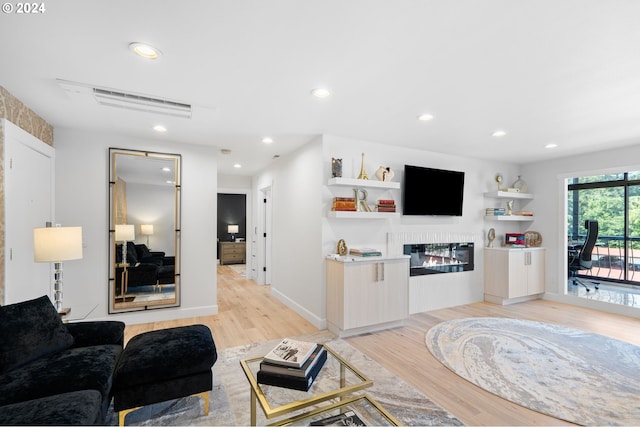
(365, 295)
(513, 274)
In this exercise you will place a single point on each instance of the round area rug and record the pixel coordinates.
(572, 375)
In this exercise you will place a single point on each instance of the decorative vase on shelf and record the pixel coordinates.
(520, 185)
(384, 174)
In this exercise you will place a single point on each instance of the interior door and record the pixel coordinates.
(29, 187)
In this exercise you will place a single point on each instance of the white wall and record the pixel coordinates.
(82, 198)
(297, 264)
(547, 180)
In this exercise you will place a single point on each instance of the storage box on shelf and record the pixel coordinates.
(371, 200)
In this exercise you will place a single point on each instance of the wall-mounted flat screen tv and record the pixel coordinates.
(428, 191)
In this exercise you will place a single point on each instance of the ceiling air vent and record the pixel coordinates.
(141, 103)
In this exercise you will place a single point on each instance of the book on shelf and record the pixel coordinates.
(495, 211)
(386, 202)
(523, 213)
(301, 372)
(290, 352)
(364, 252)
(344, 204)
(293, 382)
(385, 209)
(349, 418)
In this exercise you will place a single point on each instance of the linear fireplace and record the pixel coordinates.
(434, 258)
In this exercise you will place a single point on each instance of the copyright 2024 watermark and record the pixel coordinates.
(24, 8)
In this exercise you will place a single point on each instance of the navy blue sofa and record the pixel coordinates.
(55, 373)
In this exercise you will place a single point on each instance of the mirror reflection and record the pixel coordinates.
(144, 230)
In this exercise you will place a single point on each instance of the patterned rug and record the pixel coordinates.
(230, 397)
(580, 377)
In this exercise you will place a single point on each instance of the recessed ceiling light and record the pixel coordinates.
(166, 169)
(237, 166)
(551, 145)
(159, 128)
(499, 133)
(320, 93)
(170, 182)
(144, 50)
(267, 140)
(425, 117)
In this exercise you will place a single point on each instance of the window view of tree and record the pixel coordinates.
(614, 201)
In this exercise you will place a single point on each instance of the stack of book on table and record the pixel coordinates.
(292, 364)
(364, 252)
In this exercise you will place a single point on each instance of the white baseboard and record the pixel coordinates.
(309, 316)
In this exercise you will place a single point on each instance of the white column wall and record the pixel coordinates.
(82, 198)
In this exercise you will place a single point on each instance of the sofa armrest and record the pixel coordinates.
(97, 333)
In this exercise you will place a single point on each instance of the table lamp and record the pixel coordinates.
(232, 229)
(57, 244)
(125, 233)
(146, 230)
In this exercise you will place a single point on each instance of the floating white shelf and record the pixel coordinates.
(508, 195)
(370, 183)
(509, 217)
(362, 215)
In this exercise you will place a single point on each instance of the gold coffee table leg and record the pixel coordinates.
(254, 398)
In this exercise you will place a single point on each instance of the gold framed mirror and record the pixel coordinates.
(144, 230)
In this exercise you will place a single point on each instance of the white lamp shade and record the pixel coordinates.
(53, 244)
(232, 229)
(125, 233)
(146, 229)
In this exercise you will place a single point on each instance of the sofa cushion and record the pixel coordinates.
(29, 330)
(75, 408)
(83, 368)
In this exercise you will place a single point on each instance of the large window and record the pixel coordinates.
(614, 201)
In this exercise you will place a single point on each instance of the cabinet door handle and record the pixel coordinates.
(378, 271)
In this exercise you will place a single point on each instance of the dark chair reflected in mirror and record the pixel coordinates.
(580, 256)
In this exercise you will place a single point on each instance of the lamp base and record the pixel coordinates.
(64, 311)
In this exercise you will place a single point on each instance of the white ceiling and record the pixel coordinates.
(561, 71)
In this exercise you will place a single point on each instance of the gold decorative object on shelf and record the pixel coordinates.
(499, 179)
(342, 248)
(491, 236)
(363, 173)
(532, 239)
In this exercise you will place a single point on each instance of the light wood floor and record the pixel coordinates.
(248, 313)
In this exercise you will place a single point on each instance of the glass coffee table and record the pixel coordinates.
(337, 379)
